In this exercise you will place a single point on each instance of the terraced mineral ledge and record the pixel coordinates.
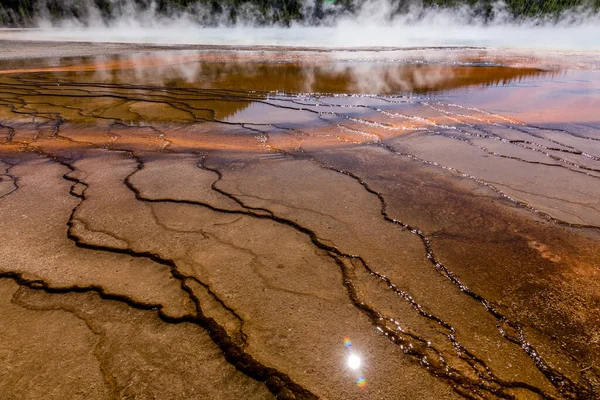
(256, 224)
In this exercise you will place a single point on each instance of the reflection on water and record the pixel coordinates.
(223, 84)
(354, 363)
(278, 72)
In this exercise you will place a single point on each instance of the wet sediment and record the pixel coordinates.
(276, 224)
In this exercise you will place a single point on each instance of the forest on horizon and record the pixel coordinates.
(27, 13)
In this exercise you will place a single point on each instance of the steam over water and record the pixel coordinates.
(375, 24)
(581, 37)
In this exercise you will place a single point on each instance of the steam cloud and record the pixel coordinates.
(374, 24)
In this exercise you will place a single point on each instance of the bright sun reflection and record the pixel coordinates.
(354, 361)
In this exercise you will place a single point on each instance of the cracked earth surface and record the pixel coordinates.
(214, 225)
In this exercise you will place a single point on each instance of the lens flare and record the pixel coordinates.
(347, 342)
(354, 361)
(361, 382)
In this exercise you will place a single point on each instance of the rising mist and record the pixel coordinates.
(324, 25)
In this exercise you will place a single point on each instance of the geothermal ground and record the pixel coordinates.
(212, 223)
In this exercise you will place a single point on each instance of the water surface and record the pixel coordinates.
(389, 224)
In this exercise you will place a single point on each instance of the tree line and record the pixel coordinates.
(25, 13)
